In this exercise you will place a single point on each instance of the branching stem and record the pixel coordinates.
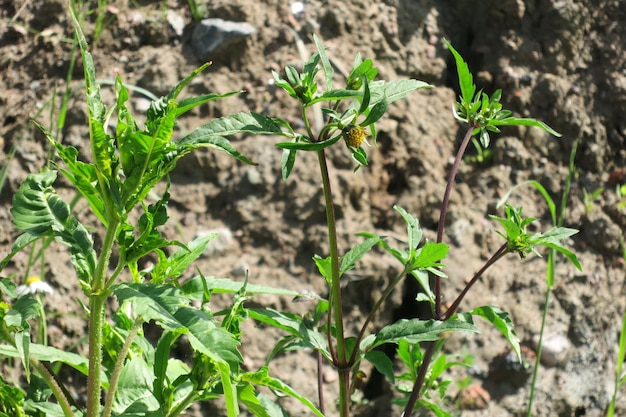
(444, 209)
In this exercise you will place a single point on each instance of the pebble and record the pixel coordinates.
(554, 349)
(212, 36)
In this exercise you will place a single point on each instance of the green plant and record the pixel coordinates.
(620, 375)
(136, 377)
(590, 198)
(351, 110)
(557, 219)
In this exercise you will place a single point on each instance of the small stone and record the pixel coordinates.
(330, 376)
(474, 397)
(212, 36)
(554, 349)
(176, 21)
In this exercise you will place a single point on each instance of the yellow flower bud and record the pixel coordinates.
(354, 136)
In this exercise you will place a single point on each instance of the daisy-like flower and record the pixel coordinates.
(34, 285)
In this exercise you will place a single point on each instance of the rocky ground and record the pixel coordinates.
(562, 62)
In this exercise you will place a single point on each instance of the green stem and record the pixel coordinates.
(183, 404)
(544, 319)
(335, 292)
(54, 386)
(374, 309)
(97, 300)
(115, 375)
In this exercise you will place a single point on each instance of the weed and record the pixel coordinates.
(126, 374)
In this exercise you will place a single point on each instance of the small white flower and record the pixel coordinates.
(34, 285)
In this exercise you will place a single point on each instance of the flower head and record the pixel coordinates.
(354, 135)
(34, 285)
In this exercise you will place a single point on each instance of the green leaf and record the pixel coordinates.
(180, 260)
(568, 254)
(83, 176)
(212, 133)
(7, 286)
(308, 146)
(516, 121)
(466, 82)
(382, 363)
(323, 265)
(134, 392)
(22, 310)
(376, 112)
(391, 91)
(501, 321)
(544, 193)
(326, 67)
(365, 101)
(416, 331)
(414, 232)
(230, 390)
(335, 95)
(50, 354)
(356, 253)
(167, 306)
(191, 102)
(430, 255)
(292, 324)
(39, 211)
(194, 288)
(262, 378)
(287, 161)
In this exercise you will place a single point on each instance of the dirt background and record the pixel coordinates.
(562, 62)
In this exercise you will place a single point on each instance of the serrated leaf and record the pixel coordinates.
(326, 67)
(356, 253)
(180, 260)
(134, 388)
(323, 265)
(382, 363)
(376, 112)
(308, 146)
(416, 331)
(430, 255)
(262, 378)
(167, 306)
(287, 161)
(39, 211)
(466, 81)
(501, 321)
(194, 288)
(516, 121)
(414, 232)
(292, 324)
(394, 90)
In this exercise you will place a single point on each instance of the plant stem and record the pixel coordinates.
(115, 375)
(419, 381)
(320, 384)
(444, 209)
(183, 404)
(503, 250)
(97, 300)
(544, 318)
(57, 390)
(430, 350)
(373, 311)
(335, 292)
